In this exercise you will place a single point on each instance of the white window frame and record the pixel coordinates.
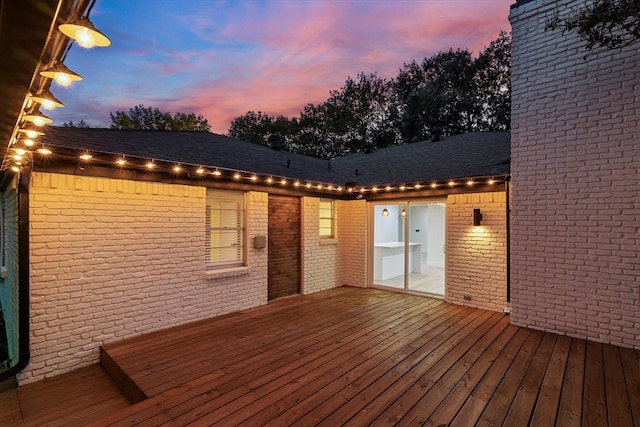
(225, 229)
(323, 218)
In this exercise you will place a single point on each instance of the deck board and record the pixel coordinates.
(369, 357)
(346, 356)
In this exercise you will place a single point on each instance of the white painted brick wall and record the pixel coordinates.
(575, 166)
(111, 259)
(353, 238)
(476, 256)
(320, 256)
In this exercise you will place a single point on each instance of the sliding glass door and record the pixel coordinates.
(408, 249)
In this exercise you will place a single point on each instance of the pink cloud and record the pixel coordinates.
(224, 59)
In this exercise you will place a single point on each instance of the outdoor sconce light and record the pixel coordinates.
(385, 212)
(85, 33)
(477, 217)
(61, 74)
(37, 118)
(47, 100)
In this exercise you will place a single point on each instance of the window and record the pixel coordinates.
(326, 218)
(225, 229)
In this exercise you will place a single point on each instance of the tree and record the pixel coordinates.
(148, 118)
(70, 124)
(357, 114)
(256, 127)
(450, 90)
(493, 75)
(439, 92)
(611, 24)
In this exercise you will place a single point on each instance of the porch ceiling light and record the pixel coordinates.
(61, 74)
(385, 212)
(47, 100)
(85, 33)
(37, 118)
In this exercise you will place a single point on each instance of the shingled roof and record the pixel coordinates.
(460, 156)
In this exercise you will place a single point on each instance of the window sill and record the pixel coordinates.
(328, 241)
(223, 273)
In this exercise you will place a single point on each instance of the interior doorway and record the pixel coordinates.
(409, 246)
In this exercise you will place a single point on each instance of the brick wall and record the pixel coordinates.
(575, 166)
(476, 256)
(329, 263)
(352, 234)
(111, 259)
(320, 256)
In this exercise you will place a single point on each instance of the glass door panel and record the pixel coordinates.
(426, 248)
(389, 245)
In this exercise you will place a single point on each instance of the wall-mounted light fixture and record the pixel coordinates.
(385, 212)
(477, 217)
(85, 33)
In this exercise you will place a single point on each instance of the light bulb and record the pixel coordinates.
(84, 38)
(62, 79)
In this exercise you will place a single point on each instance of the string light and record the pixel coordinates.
(86, 157)
(176, 169)
(37, 118)
(84, 33)
(47, 100)
(418, 186)
(150, 165)
(61, 74)
(216, 173)
(254, 177)
(236, 176)
(200, 171)
(283, 181)
(451, 183)
(470, 182)
(296, 184)
(44, 151)
(121, 162)
(30, 132)
(434, 185)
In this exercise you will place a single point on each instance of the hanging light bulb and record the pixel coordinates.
(61, 74)
(47, 100)
(404, 212)
(37, 118)
(85, 33)
(385, 212)
(30, 132)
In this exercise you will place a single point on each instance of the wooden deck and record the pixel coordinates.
(369, 357)
(71, 399)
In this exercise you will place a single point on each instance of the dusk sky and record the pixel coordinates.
(221, 59)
